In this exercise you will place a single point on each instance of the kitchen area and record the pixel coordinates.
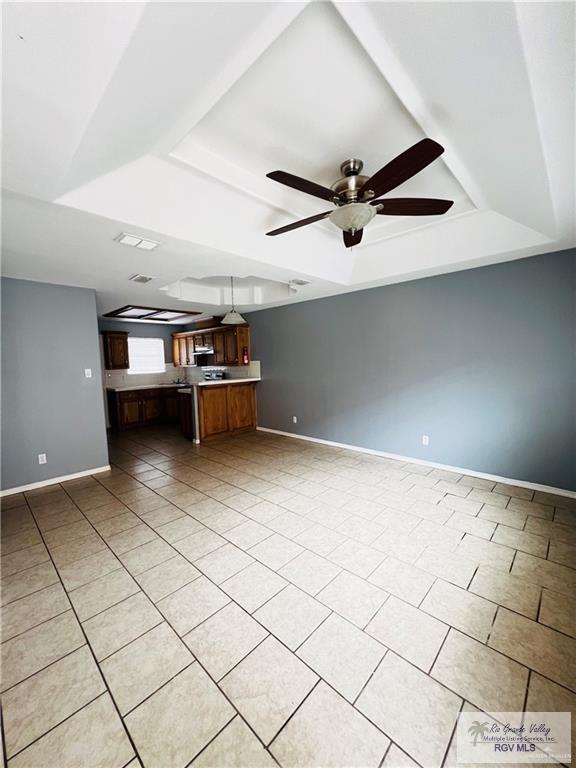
(207, 390)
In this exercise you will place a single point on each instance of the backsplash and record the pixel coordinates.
(124, 379)
(173, 374)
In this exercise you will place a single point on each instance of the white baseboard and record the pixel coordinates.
(411, 459)
(54, 481)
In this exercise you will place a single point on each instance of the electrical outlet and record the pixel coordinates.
(295, 419)
(425, 440)
(88, 373)
(42, 458)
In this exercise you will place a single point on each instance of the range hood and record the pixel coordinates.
(204, 350)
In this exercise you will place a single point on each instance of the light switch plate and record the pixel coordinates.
(88, 373)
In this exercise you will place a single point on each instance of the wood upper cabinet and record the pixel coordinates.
(181, 351)
(115, 350)
(190, 359)
(226, 408)
(237, 345)
(219, 349)
(176, 351)
(231, 345)
(243, 343)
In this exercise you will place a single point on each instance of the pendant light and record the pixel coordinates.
(233, 317)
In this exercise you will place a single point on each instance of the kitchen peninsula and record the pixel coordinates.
(218, 398)
(211, 409)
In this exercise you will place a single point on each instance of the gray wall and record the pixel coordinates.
(482, 361)
(145, 331)
(49, 336)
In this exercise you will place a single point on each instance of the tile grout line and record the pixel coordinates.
(40, 623)
(226, 505)
(38, 671)
(214, 738)
(310, 692)
(308, 636)
(486, 643)
(34, 592)
(57, 725)
(453, 732)
(3, 734)
(363, 688)
(237, 664)
(211, 678)
(402, 464)
(90, 647)
(284, 645)
(164, 684)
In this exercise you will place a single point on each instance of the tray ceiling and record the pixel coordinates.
(163, 119)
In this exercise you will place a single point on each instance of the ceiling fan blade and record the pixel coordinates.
(303, 185)
(352, 239)
(413, 206)
(297, 224)
(403, 167)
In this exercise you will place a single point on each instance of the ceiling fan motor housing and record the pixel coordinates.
(346, 189)
(357, 197)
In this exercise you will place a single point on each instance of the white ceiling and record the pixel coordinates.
(163, 119)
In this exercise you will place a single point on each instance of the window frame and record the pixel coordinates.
(133, 353)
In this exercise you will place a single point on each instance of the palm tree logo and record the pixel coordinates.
(478, 729)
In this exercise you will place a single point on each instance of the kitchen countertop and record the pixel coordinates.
(181, 387)
(213, 382)
(131, 387)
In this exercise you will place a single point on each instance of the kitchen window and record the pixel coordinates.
(146, 355)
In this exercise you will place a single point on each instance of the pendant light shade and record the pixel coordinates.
(232, 317)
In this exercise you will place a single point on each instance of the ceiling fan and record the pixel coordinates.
(358, 198)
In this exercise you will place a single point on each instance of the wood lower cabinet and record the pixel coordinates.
(171, 408)
(151, 407)
(129, 410)
(241, 407)
(142, 407)
(186, 414)
(213, 411)
(225, 409)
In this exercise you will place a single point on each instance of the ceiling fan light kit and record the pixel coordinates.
(353, 194)
(353, 216)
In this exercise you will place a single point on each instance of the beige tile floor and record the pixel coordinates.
(261, 601)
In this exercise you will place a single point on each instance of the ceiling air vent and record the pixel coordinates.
(141, 278)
